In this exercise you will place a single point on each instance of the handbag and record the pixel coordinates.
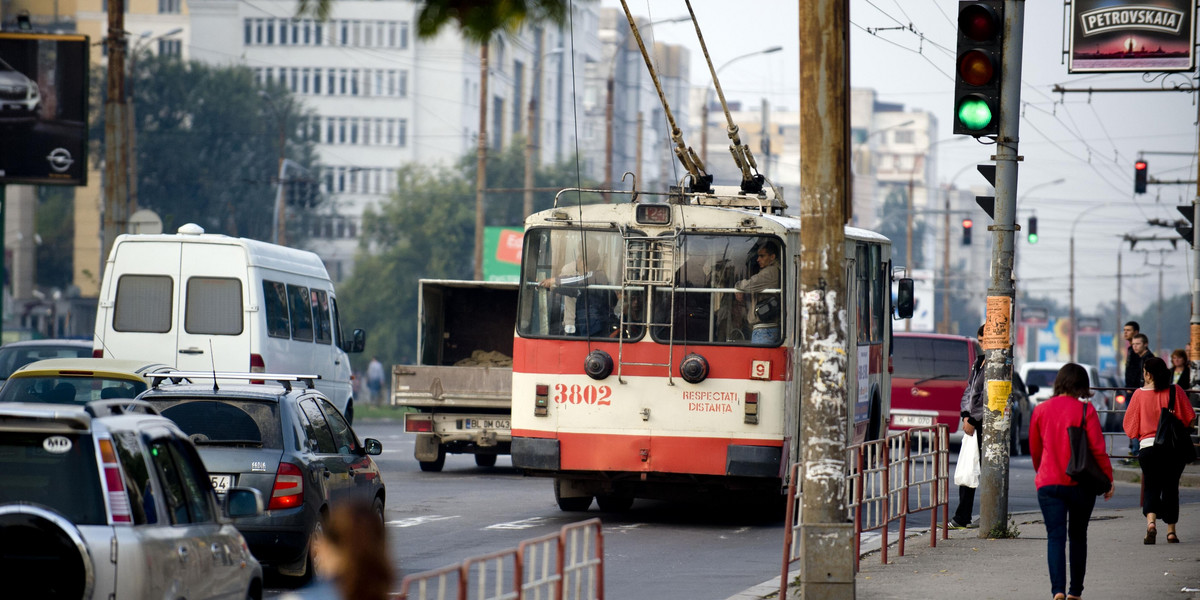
(966, 470)
(1083, 467)
(767, 309)
(1173, 438)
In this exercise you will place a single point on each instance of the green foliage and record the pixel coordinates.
(1002, 532)
(207, 145)
(893, 224)
(477, 21)
(427, 230)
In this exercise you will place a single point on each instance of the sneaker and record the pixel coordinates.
(974, 524)
(954, 524)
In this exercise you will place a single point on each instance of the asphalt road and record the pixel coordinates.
(694, 550)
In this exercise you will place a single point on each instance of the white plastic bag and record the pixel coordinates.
(966, 470)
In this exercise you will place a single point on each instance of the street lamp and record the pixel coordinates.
(610, 83)
(1072, 285)
(280, 206)
(704, 109)
(131, 121)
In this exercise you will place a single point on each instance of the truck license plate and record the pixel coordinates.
(486, 424)
(221, 483)
(912, 420)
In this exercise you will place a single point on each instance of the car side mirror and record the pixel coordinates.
(1032, 389)
(243, 502)
(373, 446)
(905, 300)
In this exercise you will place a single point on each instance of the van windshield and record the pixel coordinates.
(928, 358)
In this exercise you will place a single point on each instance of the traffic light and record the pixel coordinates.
(967, 225)
(1139, 177)
(978, 71)
(1031, 235)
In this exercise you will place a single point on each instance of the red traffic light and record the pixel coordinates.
(1140, 165)
(967, 223)
(978, 22)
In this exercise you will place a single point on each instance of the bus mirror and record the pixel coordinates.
(904, 298)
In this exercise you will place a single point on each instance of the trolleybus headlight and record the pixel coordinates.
(693, 368)
(598, 365)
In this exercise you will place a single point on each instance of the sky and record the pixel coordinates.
(904, 50)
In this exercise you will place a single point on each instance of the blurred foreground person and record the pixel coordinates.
(351, 557)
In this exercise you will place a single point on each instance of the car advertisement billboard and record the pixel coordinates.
(43, 108)
(1132, 35)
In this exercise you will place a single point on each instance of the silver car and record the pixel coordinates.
(110, 500)
(20, 99)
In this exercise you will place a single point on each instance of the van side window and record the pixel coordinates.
(275, 304)
(335, 317)
(320, 305)
(143, 303)
(301, 311)
(214, 306)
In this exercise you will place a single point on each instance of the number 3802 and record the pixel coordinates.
(582, 394)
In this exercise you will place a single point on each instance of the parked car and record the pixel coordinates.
(1120, 400)
(15, 355)
(929, 375)
(78, 380)
(1022, 410)
(1042, 374)
(289, 442)
(87, 492)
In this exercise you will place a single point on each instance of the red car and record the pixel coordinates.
(929, 374)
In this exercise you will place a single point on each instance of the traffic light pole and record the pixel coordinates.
(1194, 348)
(997, 333)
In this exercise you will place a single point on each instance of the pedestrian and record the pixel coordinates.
(1138, 352)
(1181, 369)
(972, 423)
(375, 380)
(587, 304)
(764, 316)
(1066, 506)
(1160, 472)
(351, 557)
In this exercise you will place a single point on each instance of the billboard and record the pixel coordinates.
(1131, 35)
(502, 253)
(43, 108)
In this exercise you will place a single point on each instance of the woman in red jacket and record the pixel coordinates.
(1160, 474)
(1066, 507)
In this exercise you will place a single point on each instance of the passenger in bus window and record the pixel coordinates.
(587, 311)
(765, 312)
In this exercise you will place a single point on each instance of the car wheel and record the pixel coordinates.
(485, 460)
(310, 561)
(614, 502)
(377, 508)
(570, 503)
(435, 465)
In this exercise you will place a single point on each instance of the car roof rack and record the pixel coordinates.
(124, 406)
(284, 379)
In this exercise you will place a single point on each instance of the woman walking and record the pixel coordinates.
(1160, 472)
(1066, 507)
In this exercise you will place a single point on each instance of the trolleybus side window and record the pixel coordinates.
(868, 273)
(723, 290)
(571, 285)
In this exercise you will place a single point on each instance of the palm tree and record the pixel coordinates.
(478, 20)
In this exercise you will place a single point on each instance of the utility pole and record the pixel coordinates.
(1194, 349)
(481, 160)
(530, 158)
(946, 268)
(997, 333)
(116, 191)
(826, 543)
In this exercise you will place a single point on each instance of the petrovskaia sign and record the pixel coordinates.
(1132, 35)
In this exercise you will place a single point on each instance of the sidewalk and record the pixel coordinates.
(966, 566)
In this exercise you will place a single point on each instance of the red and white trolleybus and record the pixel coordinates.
(656, 352)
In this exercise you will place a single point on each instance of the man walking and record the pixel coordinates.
(375, 380)
(1135, 360)
(972, 421)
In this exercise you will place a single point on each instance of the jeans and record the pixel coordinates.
(1066, 510)
(765, 336)
(1160, 476)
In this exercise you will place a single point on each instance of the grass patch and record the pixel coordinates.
(1002, 532)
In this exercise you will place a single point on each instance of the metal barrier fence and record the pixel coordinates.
(568, 565)
(881, 479)
(1112, 416)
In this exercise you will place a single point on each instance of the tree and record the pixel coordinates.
(427, 230)
(893, 224)
(207, 145)
(478, 21)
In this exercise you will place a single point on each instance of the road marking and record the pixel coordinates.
(736, 531)
(622, 528)
(522, 524)
(413, 522)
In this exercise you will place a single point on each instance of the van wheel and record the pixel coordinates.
(435, 465)
(485, 460)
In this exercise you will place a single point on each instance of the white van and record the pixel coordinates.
(203, 302)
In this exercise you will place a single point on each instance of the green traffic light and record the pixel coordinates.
(974, 113)
(1033, 238)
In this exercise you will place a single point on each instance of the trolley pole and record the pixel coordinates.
(481, 161)
(997, 333)
(826, 544)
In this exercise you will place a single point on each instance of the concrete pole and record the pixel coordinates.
(281, 204)
(530, 158)
(997, 334)
(1071, 301)
(826, 542)
(116, 191)
(637, 168)
(481, 160)
(1120, 323)
(1194, 351)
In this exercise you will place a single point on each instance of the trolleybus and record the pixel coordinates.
(641, 367)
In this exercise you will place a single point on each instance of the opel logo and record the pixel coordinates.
(60, 160)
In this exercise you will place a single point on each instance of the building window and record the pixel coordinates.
(270, 31)
(247, 32)
(353, 82)
(169, 7)
(905, 136)
(392, 41)
(170, 48)
(258, 31)
(402, 133)
(518, 94)
(345, 32)
(403, 84)
(403, 35)
(318, 34)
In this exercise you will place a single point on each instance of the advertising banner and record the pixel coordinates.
(502, 253)
(1132, 35)
(43, 108)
